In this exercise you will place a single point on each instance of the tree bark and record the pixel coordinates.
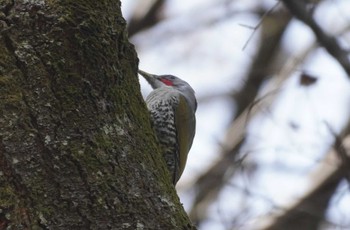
(77, 150)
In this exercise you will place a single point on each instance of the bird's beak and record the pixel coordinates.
(149, 77)
(152, 79)
(145, 74)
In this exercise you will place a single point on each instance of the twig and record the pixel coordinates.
(255, 28)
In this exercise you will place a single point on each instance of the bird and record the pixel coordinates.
(172, 105)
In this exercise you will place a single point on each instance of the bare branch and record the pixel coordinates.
(210, 183)
(330, 43)
(309, 211)
(150, 18)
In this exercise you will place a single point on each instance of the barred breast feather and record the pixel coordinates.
(174, 124)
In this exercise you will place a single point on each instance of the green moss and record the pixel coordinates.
(8, 197)
(9, 88)
(5, 80)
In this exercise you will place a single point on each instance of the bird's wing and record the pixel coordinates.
(185, 126)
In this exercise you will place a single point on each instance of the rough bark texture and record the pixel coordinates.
(76, 146)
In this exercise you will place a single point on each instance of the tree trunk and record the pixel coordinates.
(76, 147)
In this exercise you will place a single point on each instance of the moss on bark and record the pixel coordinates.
(76, 147)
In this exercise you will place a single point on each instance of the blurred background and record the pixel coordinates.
(270, 150)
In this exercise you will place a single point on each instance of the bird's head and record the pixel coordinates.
(157, 81)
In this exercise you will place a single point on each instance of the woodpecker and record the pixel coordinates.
(172, 105)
